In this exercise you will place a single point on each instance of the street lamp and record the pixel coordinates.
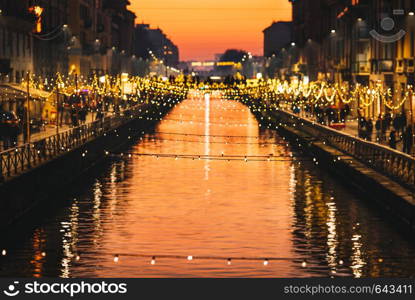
(59, 85)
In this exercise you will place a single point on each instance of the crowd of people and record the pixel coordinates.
(75, 110)
(72, 111)
(389, 129)
(392, 130)
(330, 115)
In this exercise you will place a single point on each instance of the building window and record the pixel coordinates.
(23, 45)
(29, 47)
(17, 44)
(10, 43)
(1, 41)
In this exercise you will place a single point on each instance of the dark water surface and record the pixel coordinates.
(144, 206)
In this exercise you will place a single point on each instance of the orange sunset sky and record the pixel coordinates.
(206, 27)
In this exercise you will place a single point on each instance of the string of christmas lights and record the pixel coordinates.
(204, 123)
(308, 138)
(229, 260)
(271, 91)
(153, 139)
(208, 135)
(223, 157)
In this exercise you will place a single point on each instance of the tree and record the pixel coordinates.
(233, 55)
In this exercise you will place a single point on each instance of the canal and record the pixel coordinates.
(207, 185)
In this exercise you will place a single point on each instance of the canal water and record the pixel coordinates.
(214, 185)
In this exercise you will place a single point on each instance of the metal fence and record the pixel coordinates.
(23, 158)
(395, 164)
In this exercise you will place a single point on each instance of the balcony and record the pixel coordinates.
(361, 67)
(382, 65)
(399, 66)
(409, 65)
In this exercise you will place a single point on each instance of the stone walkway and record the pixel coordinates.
(351, 129)
(49, 130)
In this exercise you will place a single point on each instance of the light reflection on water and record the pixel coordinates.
(162, 206)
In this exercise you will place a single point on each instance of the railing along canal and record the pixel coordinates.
(17, 160)
(397, 165)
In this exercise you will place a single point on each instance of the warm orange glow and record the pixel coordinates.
(204, 28)
(37, 11)
(225, 63)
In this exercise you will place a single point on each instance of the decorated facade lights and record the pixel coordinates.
(318, 93)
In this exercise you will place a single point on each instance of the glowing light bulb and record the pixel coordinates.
(153, 260)
(266, 262)
(116, 258)
(190, 258)
(304, 264)
(4, 252)
(229, 262)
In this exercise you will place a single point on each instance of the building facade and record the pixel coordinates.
(16, 41)
(50, 53)
(276, 37)
(368, 42)
(77, 37)
(351, 41)
(101, 37)
(81, 37)
(153, 44)
(122, 36)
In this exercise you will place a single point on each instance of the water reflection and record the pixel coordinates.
(140, 207)
(69, 231)
(207, 133)
(38, 255)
